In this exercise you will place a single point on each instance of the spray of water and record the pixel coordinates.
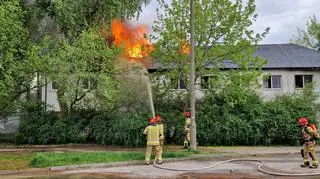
(149, 90)
(150, 97)
(137, 76)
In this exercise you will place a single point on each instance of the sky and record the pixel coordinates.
(282, 16)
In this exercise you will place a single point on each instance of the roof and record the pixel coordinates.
(280, 56)
(288, 56)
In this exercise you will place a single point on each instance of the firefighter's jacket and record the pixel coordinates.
(308, 134)
(153, 134)
(187, 125)
(161, 128)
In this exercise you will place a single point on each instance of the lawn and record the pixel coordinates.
(11, 161)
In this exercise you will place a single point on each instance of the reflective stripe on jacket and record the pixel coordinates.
(153, 133)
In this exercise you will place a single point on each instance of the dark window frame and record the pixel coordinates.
(302, 81)
(270, 81)
(54, 86)
(181, 84)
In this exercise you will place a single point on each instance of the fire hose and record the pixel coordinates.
(259, 168)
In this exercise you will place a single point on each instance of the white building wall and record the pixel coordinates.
(287, 86)
(288, 82)
(52, 98)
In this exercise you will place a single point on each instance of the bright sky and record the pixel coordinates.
(282, 16)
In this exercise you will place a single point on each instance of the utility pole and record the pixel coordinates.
(193, 141)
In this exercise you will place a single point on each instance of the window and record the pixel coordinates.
(302, 80)
(273, 81)
(177, 84)
(54, 86)
(181, 84)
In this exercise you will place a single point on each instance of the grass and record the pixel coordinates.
(13, 161)
(69, 158)
(47, 159)
(9, 161)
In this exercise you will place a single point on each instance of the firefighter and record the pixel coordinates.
(153, 136)
(161, 141)
(308, 136)
(187, 125)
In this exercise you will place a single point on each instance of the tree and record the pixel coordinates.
(14, 71)
(311, 36)
(72, 17)
(79, 68)
(222, 36)
(76, 48)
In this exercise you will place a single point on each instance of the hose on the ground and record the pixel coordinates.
(259, 168)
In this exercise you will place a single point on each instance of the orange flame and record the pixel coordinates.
(132, 39)
(185, 47)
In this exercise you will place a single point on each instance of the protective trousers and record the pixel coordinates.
(149, 151)
(160, 151)
(186, 142)
(309, 149)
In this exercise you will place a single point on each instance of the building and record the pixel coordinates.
(289, 69)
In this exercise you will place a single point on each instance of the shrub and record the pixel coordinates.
(38, 126)
(246, 121)
(252, 121)
(119, 129)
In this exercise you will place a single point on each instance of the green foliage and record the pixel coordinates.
(15, 161)
(222, 37)
(34, 126)
(171, 106)
(7, 138)
(119, 129)
(253, 121)
(61, 41)
(220, 123)
(73, 17)
(47, 159)
(309, 37)
(221, 29)
(82, 69)
(40, 127)
(13, 46)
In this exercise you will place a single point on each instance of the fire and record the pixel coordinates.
(132, 39)
(185, 47)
